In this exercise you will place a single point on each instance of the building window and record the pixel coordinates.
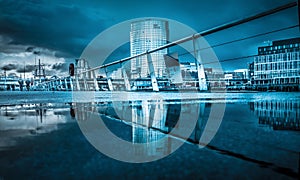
(156, 26)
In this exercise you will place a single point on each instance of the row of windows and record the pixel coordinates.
(277, 71)
(278, 80)
(141, 41)
(158, 34)
(277, 105)
(277, 57)
(148, 23)
(270, 48)
(279, 51)
(278, 75)
(142, 50)
(277, 66)
(278, 113)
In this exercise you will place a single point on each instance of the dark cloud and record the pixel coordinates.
(34, 50)
(9, 67)
(51, 26)
(65, 28)
(29, 49)
(26, 68)
(60, 67)
(18, 67)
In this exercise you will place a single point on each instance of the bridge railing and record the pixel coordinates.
(91, 82)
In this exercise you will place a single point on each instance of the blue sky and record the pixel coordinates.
(61, 30)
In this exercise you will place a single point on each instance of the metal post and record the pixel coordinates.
(54, 84)
(126, 80)
(110, 85)
(152, 73)
(77, 82)
(60, 84)
(71, 83)
(85, 82)
(95, 81)
(66, 83)
(199, 67)
(50, 85)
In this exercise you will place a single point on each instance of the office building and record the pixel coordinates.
(147, 35)
(277, 66)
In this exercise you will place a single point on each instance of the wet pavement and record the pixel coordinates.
(258, 136)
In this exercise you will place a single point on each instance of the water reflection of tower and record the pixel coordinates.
(149, 120)
(158, 119)
(279, 114)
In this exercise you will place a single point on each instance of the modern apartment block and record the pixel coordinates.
(277, 66)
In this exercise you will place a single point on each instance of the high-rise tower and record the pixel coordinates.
(146, 35)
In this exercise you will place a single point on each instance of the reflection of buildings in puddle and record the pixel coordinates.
(279, 114)
(28, 119)
(82, 111)
(201, 123)
(151, 121)
(38, 118)
(160, 118)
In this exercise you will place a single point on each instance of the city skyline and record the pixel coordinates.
(58, 32)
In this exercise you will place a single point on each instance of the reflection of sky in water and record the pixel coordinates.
(248, 136)
(30, 119)
(150, 121)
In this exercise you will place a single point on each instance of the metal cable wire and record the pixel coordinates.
(242, 39)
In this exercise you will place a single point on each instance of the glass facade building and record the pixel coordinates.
(146, 35)
(278, 64)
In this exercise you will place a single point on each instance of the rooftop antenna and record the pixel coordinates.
(268, 42)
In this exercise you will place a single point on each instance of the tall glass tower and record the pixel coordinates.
(146, 35)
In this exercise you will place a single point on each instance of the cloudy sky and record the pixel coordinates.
(58, 31)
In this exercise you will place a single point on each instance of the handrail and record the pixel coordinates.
(200, 34)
